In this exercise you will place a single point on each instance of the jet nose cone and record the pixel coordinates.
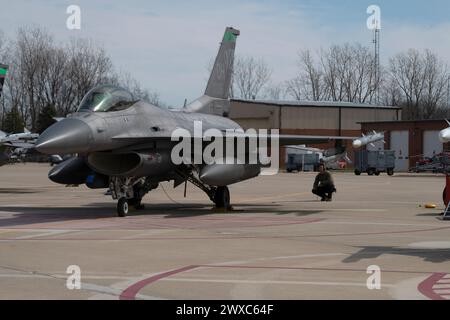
(65, 136)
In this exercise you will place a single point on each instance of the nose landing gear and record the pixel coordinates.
(130, 192)
(122, 207)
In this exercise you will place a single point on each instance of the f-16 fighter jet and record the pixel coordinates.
(12, 138)
(128, 146)
(16, 146)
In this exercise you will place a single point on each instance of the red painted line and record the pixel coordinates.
(130, 292)
(426, 286)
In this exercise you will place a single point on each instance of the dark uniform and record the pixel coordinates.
(324, 186)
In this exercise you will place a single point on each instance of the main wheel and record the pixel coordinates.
(122, 207)
(377, 173)
(444, 196)
(390, 172)
(222, 198)
(357, 172)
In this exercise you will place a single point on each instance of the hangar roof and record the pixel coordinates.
(324, 104)
(404, 121)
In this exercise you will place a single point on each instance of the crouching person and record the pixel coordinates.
(324, 184)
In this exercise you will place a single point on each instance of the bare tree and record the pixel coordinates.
(436, 84)
(89, 66)
(390, 93)
(45, 75)
(126, 81)
(274, 91)
(341, 73)
(308, 85)
(249, 77)
(422, 80)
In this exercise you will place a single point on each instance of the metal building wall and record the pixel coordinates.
(257, 116)
(351, 117)
(400, 144)
(306, 119)
(423, 136)
(309, 118)
(431, 143)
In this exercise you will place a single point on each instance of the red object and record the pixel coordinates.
(447, 190)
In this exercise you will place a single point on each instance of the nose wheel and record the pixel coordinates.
(122, 207)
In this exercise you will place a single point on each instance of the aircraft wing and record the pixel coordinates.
(287, 139)
(297, 139)
(305, 148)
(284, 140)
(23, 145)
(143, 138)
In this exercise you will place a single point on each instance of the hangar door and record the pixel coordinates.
(431, 144)
(400, 144)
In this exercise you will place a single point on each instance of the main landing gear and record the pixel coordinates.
(219, 195)
(222, 198)
(129, 192)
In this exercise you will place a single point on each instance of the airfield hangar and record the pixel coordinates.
(310, 118)
(411, 140)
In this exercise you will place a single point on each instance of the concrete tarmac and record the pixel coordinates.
(280, 242)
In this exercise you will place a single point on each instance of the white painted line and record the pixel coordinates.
(442, 291)
(441, 286)
(15, 275)
(112, 291)
(44, 234)
(382, 224)
(347, 210)
(302, 256)
(86, 286)
(312, 283)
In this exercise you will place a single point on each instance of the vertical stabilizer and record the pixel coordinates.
(3, 72)
(215, 99)
(220, 79)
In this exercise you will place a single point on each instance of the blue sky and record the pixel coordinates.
(167, 45)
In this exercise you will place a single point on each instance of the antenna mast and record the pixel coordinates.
(377, 66)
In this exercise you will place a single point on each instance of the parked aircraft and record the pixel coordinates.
(126, 146)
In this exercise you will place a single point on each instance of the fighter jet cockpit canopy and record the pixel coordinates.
(106, 98)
